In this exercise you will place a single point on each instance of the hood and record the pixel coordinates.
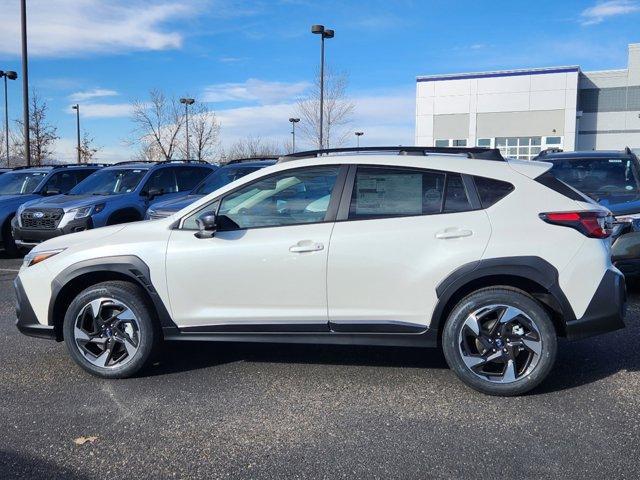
(175, 204)
(16, 200)
(75, 239)
(67, 202)
(621, 204)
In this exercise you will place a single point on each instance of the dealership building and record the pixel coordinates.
(523, 111)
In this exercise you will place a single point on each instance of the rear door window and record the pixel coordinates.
(189, 177)
(380, 192)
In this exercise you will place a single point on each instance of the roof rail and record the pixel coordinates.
(60, 165)
(547, 151)
(251, 159)
(160, 161)
(469, 152)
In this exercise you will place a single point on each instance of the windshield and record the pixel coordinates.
(598, 177)
(17, 183)
(222, 177)
(109, 182)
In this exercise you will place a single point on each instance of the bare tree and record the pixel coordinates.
(42, 135)
(250, 147)
(158, 123)
(338, 111)
(88, 149)
(204, 134)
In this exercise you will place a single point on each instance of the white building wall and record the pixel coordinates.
(518, 92)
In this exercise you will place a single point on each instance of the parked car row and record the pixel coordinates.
(399, 246)
(39, 203)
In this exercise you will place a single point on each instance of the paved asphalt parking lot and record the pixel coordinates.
(260, 411)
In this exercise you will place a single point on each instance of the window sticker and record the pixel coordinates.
(388, 194)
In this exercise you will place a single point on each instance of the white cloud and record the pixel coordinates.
(386, 119)
(91, 94)
(65, 151)
(607, 9)
(104, 110)
(254, 90)
(72, 27)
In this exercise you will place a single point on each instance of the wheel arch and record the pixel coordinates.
(532, 275)
(124, 212)
(77, 277)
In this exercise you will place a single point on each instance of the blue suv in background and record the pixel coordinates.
(233, 170)
(23, 184)
(116, 194)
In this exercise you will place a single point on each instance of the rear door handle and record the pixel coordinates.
(453, 233)
(306, 246)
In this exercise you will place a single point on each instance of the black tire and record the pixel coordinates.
(10, 247)
(147, 334)
(453, 343)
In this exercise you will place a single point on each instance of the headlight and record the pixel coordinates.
(83, 212)
(33, 258)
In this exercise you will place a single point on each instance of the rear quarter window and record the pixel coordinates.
(491, 190)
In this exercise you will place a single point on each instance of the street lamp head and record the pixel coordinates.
(11, 75)
(187, 101)
(328, 34)
(294, 120)
(317, 29)
(359, 134)
(75, 107)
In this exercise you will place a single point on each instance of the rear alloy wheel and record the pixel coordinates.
(500, 341)
(109, 330)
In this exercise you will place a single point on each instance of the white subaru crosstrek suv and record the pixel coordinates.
(489, 259)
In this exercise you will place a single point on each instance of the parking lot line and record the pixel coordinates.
(9, 270)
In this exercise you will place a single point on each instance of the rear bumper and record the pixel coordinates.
(27, 322)
(31, 237)
(606, 310)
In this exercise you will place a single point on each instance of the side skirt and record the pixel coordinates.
(428, 338)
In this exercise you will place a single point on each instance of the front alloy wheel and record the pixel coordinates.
(107, 333)
(110, 329)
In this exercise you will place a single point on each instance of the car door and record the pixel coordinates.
(399, 232)
(265, 267)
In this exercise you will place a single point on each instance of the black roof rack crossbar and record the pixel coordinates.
(469, 152)
(61, 165)
(129, 162)
(252, 159)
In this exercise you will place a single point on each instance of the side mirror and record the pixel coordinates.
(207, 225)
(154, 192)
(51, 191)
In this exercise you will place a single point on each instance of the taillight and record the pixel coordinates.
(591, 224)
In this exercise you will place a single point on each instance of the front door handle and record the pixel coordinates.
(306, 246)
(453, 233)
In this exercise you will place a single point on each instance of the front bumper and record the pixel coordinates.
(606, 310)
(25, 237)
(27, 322)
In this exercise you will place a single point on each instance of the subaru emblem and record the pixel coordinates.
(38, 214)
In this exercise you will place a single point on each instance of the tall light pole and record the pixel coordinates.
(324, 33)
(76, 107)
(293, 132)
(187, 102)
(25, 82)
(11, 75)
(358, 135)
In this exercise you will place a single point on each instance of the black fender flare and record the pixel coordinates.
(129, 265)
(529, 268)
(125, 211)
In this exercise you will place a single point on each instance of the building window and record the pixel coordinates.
(553, 141)
(451, 142)
(484, 142)
(523, 148)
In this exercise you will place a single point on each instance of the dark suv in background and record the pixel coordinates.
(226, 174)
(23, 184)
(116, 194)
(612, 178)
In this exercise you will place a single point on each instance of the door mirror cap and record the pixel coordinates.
(154, 192)
(51, 191)
(207, 225)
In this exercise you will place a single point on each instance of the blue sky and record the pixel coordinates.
(250, 60)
